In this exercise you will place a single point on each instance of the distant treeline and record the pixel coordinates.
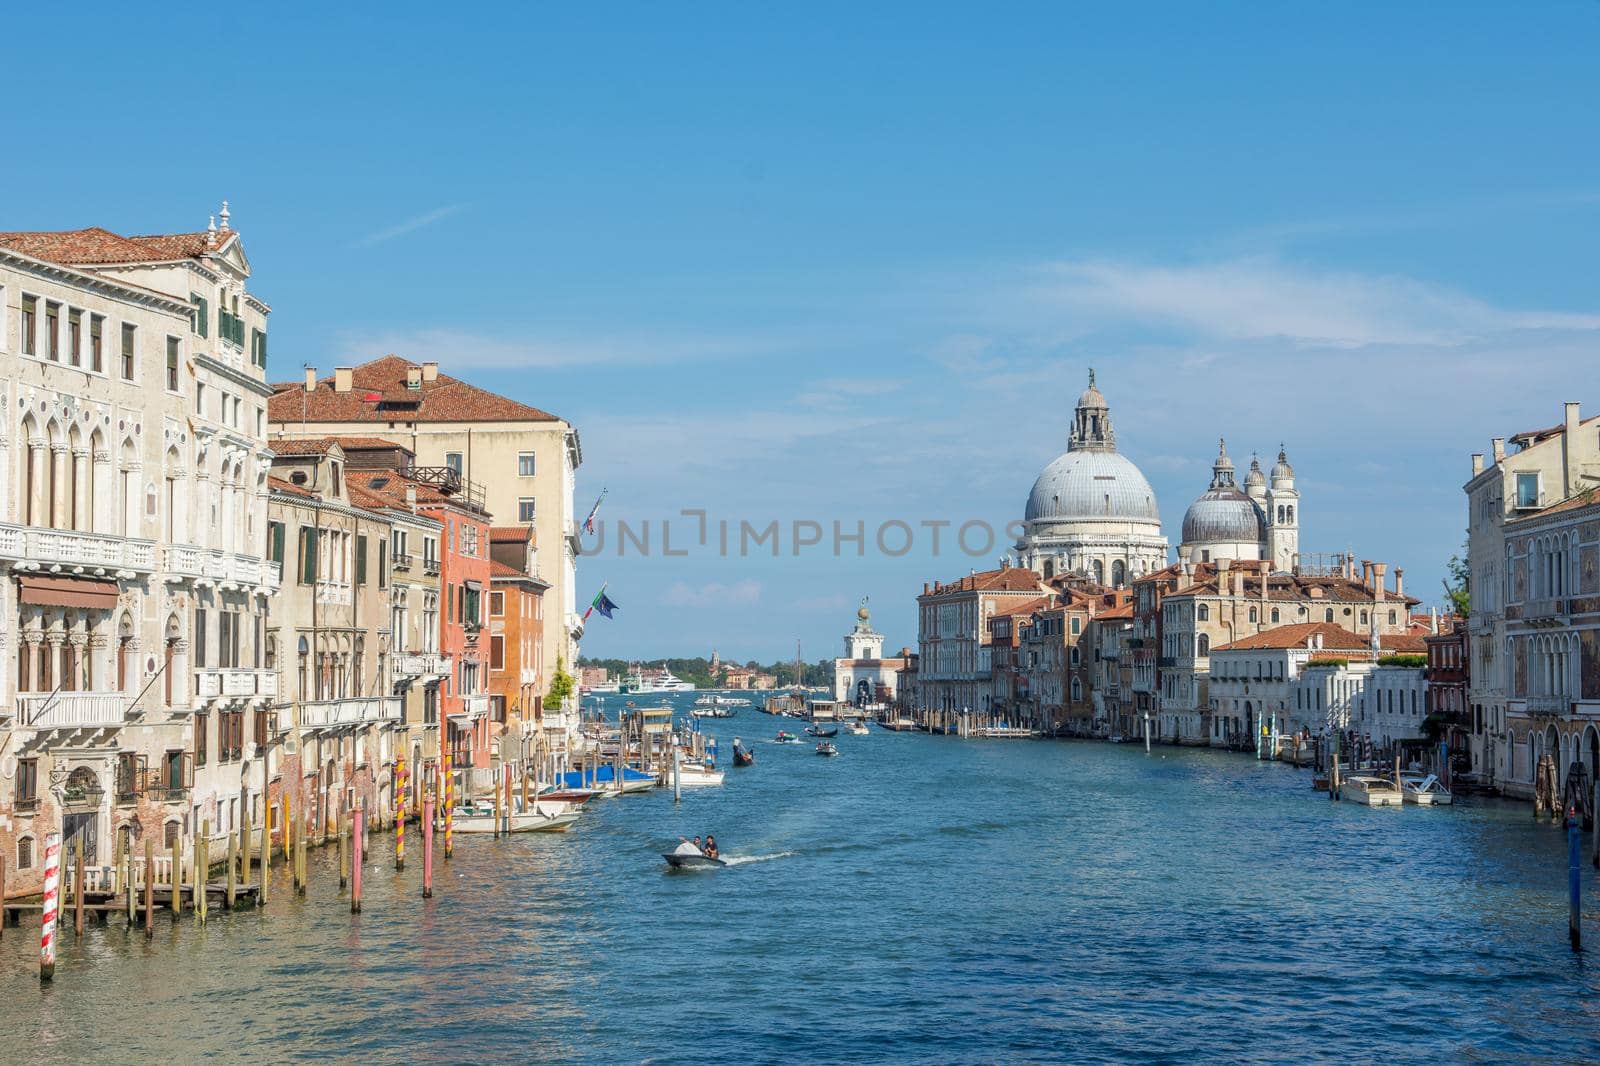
(698, 670)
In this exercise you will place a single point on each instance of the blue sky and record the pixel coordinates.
(832, 263)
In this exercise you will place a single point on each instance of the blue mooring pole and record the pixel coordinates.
(1574, 926)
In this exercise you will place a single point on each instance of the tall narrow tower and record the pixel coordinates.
(1283, 515)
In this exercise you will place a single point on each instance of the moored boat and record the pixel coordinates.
(1425, 790)
(480, 818)
(1370, 789)
(693, 774)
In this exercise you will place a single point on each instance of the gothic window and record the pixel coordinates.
(1204, 646)
(1291, 514)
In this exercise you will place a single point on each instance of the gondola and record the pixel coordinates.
(742, 756)
(818, 731)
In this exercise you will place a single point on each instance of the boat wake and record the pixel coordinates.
(740, 860)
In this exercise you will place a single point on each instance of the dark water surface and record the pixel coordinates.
(916, 899)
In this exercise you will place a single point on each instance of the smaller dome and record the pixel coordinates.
(1255, 479)
(1223, 515)
(1281, 470)
(863, 614)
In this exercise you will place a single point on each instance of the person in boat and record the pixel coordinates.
(710, 850)
(689, 848)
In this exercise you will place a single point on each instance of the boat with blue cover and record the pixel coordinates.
(604, 778)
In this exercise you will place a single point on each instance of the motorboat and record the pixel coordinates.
(785, 737)
(819, 731)
(1370, 789)
(826, 748)
(694, 774)
(688, 857)
(742, 756)
(710, 710)
(857, 729)
(556, 794)
(479, 817)
(1425, 790)
(603, 779)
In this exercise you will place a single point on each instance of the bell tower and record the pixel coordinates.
(1282, 508)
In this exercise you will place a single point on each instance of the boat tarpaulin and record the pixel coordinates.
(52, 591)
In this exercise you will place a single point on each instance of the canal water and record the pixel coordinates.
(916, 899)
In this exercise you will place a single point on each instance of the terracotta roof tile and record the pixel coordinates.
(97, 246)
(516, 534)
(1296, 635)
(499, 569)
(446, 399)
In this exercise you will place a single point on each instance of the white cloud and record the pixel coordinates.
(1260, 299)
(410, 225)
(714, 594)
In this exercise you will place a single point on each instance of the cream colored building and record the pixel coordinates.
(525, 459)
(1233, 600)
(1539, 470)
(132, 518)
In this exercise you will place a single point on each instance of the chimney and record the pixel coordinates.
(1225, 576)
(1400, 582)
(411, 497)
(430, 372)
(1433, 620)
(1477, 463)
(1497, 448)
(311, 379)
(1366, 572)
(413, 377)
(1378, 572)
(343, 378)
(1569, 440)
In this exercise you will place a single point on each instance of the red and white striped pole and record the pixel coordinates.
(52, 884)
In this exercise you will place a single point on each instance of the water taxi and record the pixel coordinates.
(1425, 790)
(1370, 789)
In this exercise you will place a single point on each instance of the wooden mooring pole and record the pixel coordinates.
(1574, 881)
(427, 846)
(176, 877)
(358, 853)
(149, 887)
(344, 854)
(77, 888)
(231, 899)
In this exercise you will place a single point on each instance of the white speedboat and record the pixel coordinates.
(1425, 790)
(479, 818)
(693, 775)
(857, 729)
(1371, 790)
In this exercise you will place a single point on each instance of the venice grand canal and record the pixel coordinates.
(917, 899)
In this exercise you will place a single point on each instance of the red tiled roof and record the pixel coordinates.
(96, 246)
(446, 399)
(1296, 635)
(1024, 608)
(303, 446)
(1006, 579)
(518, 534)
(1124, 611)
(1404, 643)
(499, 569)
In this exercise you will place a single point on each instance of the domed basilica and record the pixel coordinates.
(1259, 522)
(1091, 511)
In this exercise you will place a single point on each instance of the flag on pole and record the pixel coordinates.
(588, 523)
(601, 603)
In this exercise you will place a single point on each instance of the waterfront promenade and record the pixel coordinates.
(916, 899)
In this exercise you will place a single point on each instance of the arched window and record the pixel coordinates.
(25, 853)
(1098, 569)
(1291, 514)
(1327, 615)
(1253, 614)
(1119, 573)
(1204, 645)
(1280, 514)
(1393, 618)
(1363, 617)
(1274, 614)
(1077, 690)
(1202, 612)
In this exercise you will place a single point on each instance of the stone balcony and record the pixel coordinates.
(475, 706)
(95, 552)
(234, 684)
(1546, 610)
(421, 664)
(72, 710)
(1548, 706)
(220, 567)
(351, 711)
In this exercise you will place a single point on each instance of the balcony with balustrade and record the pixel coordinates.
(72, 710)
(237, 683)
(220, 567)
(475, 706)
(98, 553)
(418, 665)
(350, 712)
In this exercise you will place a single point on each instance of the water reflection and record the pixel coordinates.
(919, 899)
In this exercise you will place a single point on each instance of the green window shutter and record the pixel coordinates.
(308, 555)
(361, 560)
(383, 563)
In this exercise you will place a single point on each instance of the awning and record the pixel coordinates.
(67, 592)
(474, 585)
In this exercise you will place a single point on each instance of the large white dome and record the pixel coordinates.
(1088, 485)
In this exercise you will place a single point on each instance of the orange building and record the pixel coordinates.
(516, 629)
